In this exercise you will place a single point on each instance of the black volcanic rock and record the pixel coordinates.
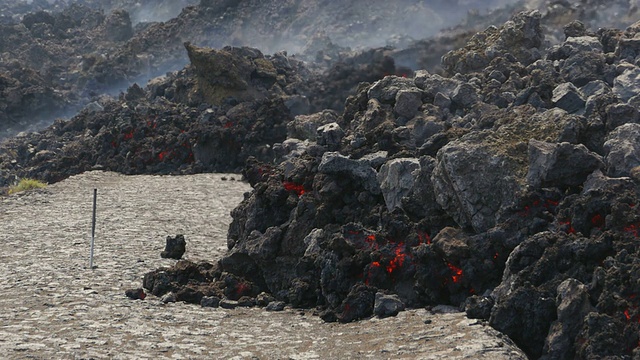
(175, 247)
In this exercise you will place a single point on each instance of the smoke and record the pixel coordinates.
(279, 25)
(158, 11)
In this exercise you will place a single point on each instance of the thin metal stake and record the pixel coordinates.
(93, 227)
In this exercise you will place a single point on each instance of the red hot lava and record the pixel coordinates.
(290, 186)
(570, 230)
(163, 154)
(597, 220)
(397, 260)
(457, 272)
(374, 265)
(633, 229)
(424, 237)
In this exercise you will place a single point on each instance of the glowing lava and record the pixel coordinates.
(457, 272)
(374, 265)
(633, 229)
(597, 220)
(398, 259)
(242, 289)
(424, 237)
(289, 186)
(163, 155)
(570, 230)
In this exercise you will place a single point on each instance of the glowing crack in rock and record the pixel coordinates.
(290, 186)
(570, 229)
(398, 259)
(457, 272)
(598, 221)
(164, 154)
(424, 237)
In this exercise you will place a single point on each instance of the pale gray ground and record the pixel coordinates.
(53, 307)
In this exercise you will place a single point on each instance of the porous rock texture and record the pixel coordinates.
(507, 182)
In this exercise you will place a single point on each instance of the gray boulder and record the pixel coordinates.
(376, 159)
(620, 114)
(465, 95)
(330, 135)
(583, 43)
(567, 97)
(452, 243)
(583, 67)
(117, 26)
(306, 126)
(275, 306)
(361, 171)
(169, 297)
(573, 306)
(472, 181)
(561, 165)
(396, 178)
(622, 150)
(596, 87)
(174, 248)
(290, 148)
(627, 84)
(228, 304)
(434, 84)
(408, 102)
(312, 242)
(424, 128)
(387, 305)
(262, 248)
(386, 89)
(210, 301)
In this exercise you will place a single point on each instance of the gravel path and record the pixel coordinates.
(53, 307)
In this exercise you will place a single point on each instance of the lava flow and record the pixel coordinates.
(398, 259)
(457, 272)
(290, 186)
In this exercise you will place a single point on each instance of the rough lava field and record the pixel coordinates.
(482, 156)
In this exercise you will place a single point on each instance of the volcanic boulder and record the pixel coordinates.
(175, 247)
(231, 73)
(622, 149)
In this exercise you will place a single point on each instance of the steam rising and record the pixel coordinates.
(160, 27)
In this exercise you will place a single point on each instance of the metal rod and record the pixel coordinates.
(93, 228)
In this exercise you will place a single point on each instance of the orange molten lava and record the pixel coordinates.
(457, 272)
(398, 260)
